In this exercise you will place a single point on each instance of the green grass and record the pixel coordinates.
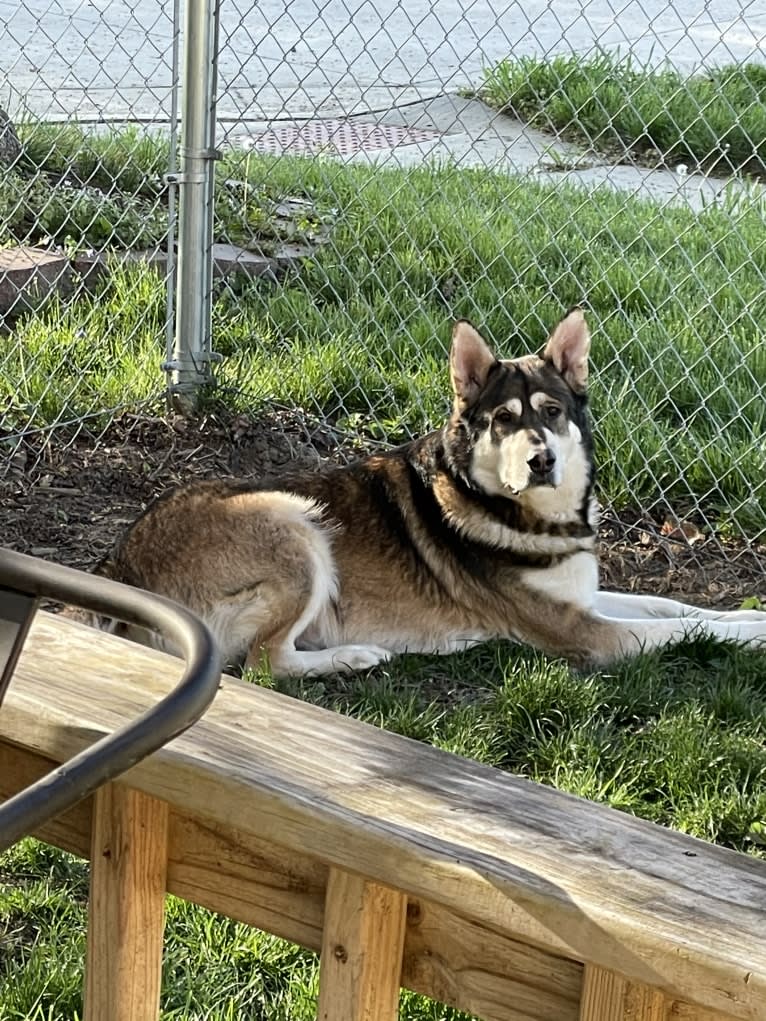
(130, 160)
(85, 190)
(715, 120)
(676, 301)
(100, 352)
(78, 190)
(677, 737)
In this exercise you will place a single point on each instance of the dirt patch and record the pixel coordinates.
(70, 502)
(636, 557)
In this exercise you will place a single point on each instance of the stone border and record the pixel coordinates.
(30, 274)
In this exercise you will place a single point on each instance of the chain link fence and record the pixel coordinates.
(380, 170)
(88, 133)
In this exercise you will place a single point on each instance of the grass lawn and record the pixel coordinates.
(715, 120)
(676, 301)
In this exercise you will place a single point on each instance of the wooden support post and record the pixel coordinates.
(362, 947)
(126, 913)
(607, 996)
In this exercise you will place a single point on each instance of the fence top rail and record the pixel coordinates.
(578, 879)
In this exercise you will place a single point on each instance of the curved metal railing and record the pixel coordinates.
(24, 581)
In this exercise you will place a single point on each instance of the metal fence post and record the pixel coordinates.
(189, 365)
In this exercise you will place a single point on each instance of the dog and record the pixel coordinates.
(483, 529)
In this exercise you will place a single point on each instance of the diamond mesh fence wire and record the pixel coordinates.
(88, 104)
(389, 167)
(502, 163)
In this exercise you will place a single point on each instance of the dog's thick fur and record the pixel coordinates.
(485, 528)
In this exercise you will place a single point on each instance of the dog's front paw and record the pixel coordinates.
(358, 657)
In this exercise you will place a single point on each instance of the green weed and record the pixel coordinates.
(715, 120)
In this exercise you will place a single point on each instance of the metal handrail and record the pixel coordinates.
(69, 783)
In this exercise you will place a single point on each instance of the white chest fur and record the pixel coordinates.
(574, 580)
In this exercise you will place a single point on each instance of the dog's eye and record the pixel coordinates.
(504, 416)
(552, 411)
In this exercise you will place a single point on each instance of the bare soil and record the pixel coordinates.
(69, 501)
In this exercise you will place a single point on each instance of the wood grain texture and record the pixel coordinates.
(19, 769)
(577, 879)
(467, 965)
(362, 947)
(676, 1010)
(126, 910)
(273, 888)
(607, 996)
(453, 959)
(603, 995)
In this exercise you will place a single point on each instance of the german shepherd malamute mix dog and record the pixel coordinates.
(483, 529)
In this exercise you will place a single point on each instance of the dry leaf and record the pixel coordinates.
(682, 531)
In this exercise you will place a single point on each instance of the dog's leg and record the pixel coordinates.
(292, 662)
(636, 636)
(286, 660)
(287, 607)
(625, 606)
(588, 639)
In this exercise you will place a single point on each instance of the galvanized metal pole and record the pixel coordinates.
(170, 179)
(189, 365)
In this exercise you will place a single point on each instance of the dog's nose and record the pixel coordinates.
(543, 462)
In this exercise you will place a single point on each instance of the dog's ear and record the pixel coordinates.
(470, 361)
(568, 347)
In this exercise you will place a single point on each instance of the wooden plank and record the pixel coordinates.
(644, 1004)
(603, 995)
(607, 996)
(126, 911)
(466, 965)
(676, 1010)
(362, 948)
(449, 958)
(548, 869)
(273, 888)
(19, 769)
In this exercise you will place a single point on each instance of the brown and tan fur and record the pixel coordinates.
(485, 528)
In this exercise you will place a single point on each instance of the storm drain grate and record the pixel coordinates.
(342, 138)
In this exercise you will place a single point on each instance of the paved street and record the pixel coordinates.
(103, 59)
(397, 67)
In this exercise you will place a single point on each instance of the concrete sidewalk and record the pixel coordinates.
(467, 133)
(368, 83)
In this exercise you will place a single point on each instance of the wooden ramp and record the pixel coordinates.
(403, 865)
